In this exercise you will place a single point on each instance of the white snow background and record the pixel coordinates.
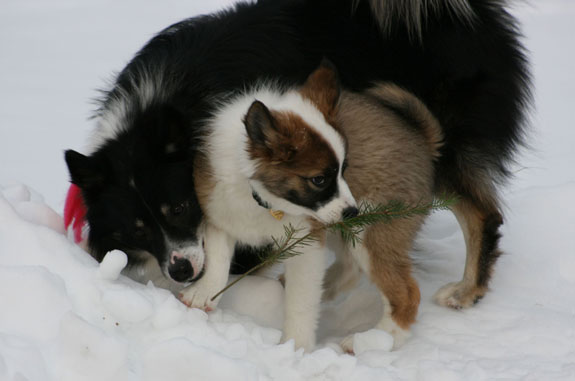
(65, 317)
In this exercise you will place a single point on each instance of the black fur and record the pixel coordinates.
(473, 76)
(489, 251)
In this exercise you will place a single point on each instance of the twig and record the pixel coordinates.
(349, 230)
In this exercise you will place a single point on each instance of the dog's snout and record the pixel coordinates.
(350, 212)
(180, 268)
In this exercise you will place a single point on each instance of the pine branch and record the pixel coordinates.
(350, 229)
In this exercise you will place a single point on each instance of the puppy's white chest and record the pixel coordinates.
(233, 209)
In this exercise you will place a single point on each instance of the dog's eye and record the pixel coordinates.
(179, 209)
(140, 234)
(318, 181)
(344, 166)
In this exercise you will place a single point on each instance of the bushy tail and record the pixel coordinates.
(414, 13)
(413, 110)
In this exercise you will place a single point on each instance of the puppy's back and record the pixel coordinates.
(393, 140)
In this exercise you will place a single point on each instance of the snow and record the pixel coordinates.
(372, 340)
(113, 264)
(66, 317)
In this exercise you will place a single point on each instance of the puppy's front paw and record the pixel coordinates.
(305, 341)
(200, 294)
(347, 344)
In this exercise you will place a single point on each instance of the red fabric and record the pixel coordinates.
(75, 212)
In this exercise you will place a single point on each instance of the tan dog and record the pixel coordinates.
(393, 140)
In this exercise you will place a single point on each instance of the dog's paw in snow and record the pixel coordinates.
(374, 339)
(458, 295)
(200, 294)
(301, 340)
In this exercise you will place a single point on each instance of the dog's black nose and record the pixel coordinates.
(181, 270)
(350, 212)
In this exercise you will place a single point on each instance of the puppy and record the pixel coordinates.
(289, 157)
(270, 160)
(393, 144)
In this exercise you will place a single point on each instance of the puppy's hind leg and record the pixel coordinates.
(384, 256)
(480, 222)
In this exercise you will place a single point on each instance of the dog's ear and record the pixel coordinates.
(259, 124)
(323, 89)
(266, 137)
(84, 171)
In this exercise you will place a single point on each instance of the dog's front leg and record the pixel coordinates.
(218, 251)
(303, 289)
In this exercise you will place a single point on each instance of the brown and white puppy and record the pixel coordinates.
(269, 159)
(393, 140)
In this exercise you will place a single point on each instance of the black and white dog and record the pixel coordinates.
(461, 57)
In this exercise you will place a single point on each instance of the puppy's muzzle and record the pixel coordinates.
(349, 212)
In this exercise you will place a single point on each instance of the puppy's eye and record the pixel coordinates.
(344, 166)
(318, 181)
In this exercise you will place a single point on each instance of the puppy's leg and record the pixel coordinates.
(303, 288)
(384, 256)
(480, 223)
(218, 251)
(343, 274)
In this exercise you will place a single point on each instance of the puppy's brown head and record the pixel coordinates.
(299, 156)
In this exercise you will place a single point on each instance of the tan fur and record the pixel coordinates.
(322, 89)
(203, 179)
(469, 290)
(390, 160)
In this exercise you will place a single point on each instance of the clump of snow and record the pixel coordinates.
(113, 264)
(65, 317)
(372, 340)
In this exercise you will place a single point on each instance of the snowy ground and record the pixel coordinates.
(64, 317)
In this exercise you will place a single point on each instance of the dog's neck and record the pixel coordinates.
(277, 214)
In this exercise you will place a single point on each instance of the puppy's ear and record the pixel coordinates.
(266, 137)
(260, 126)
(84, 171)
(323, 89)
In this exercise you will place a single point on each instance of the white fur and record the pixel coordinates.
(192, 251)
(232, 209)
(303, 289)
(219, 252)
(387, 324)
(113, 117)
(361, 255)
(331, 212)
